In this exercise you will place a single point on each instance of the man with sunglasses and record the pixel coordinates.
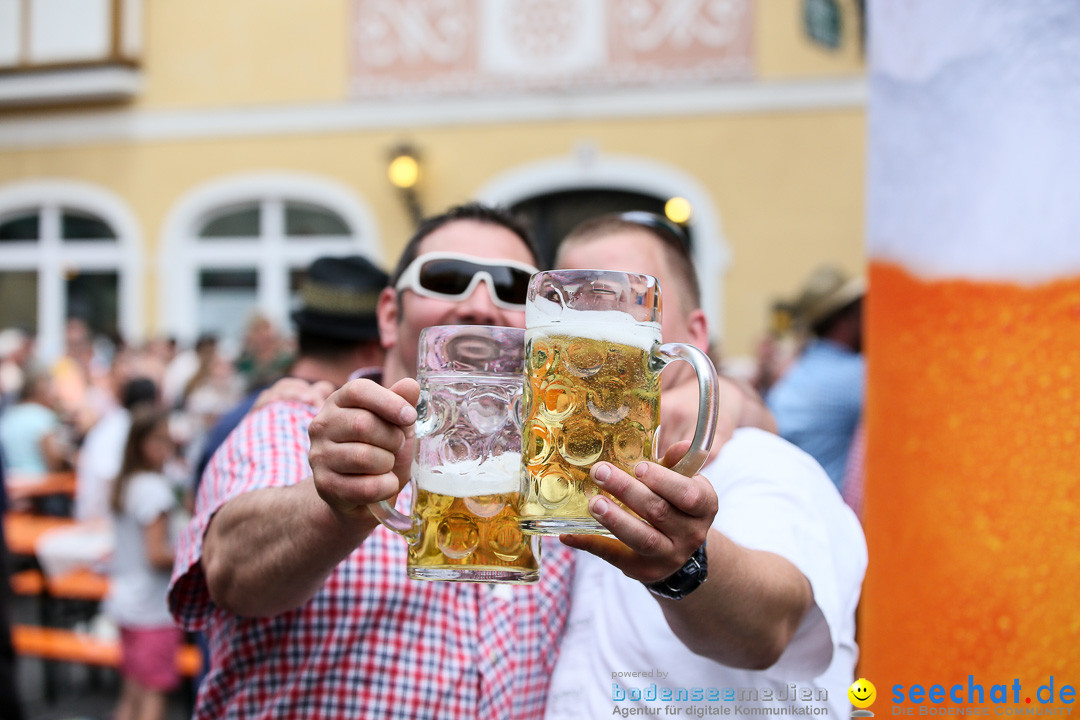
(304, 594)
(785, 557)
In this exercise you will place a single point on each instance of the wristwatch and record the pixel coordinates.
(685, 580)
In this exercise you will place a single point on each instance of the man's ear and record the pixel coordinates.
(387, 315)
(698, 325)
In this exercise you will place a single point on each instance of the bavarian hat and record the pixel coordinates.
(338, 298)
(827, 291)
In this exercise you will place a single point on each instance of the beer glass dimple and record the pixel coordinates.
(592, 391)
(466, 472)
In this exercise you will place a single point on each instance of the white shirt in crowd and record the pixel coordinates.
(137, 590)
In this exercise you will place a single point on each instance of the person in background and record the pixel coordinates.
(142, 501)
(207, 356)
(214, 391)
(31, 433)
(784, 558)
(818, 401)
(182, 367)
(16, 355)
(102, 451)
(264, 355)
(80, 379)
(337, 335)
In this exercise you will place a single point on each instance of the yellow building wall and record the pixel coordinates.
(787, 186)
(206, 54)
(783, 51)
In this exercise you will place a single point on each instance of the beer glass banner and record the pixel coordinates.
(973, 313)
(592, 390)
(466, 474)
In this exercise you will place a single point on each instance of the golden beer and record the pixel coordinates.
(466, 525)
(591, 394)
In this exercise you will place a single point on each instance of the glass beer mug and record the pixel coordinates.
(592, 391)
(466, 471)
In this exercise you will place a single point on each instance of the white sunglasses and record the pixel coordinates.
(454, 276)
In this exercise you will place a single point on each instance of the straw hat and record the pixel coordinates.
(339, 297)
(826, 291)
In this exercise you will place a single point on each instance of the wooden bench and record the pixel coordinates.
(76, 585)
(72, 646)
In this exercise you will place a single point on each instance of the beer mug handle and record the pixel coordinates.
(708, 399)
(389, 516)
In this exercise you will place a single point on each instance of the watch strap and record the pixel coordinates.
(686, 579)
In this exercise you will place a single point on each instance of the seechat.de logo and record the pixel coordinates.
(862, 695)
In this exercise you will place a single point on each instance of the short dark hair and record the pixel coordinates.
(138, 391)
(489, 214)
(673, 240)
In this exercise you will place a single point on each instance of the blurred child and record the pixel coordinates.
(142, 501)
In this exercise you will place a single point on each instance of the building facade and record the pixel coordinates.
(169, 168)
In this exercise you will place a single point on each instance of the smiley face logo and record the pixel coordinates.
(862, 693)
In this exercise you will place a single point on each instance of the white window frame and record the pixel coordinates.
(51, 257)
(272, 255)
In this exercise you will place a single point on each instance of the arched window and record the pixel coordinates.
(240, 246)
(67, 250)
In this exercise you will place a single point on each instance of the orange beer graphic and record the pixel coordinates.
(973, 460)
(973, 353)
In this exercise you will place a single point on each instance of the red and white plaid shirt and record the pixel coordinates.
(372, 643)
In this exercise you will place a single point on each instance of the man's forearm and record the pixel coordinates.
(747, 611)
(270, 550)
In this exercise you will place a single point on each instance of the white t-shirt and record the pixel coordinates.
(137, 590)
(773, 497)
(99, 463)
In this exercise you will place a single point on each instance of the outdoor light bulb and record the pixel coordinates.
(678, 210)
(404, 171)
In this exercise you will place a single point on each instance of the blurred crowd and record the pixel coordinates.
(56, 416)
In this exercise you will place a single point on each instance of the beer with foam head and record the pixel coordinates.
(592, 391)
(466, 519)
(466, 473)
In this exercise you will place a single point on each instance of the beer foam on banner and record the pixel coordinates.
(545, 317)
(973, 342)
(500, 474)
(974, 130)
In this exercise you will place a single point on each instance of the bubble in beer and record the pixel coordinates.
(554, 488)
(558, 400)
(436, 503)
(485, 506)
(487, 409)
(606, 401)
(629, 442)
(505, 539)
(584, 358)
(537, 443)
(457, 536)
(581, 443)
